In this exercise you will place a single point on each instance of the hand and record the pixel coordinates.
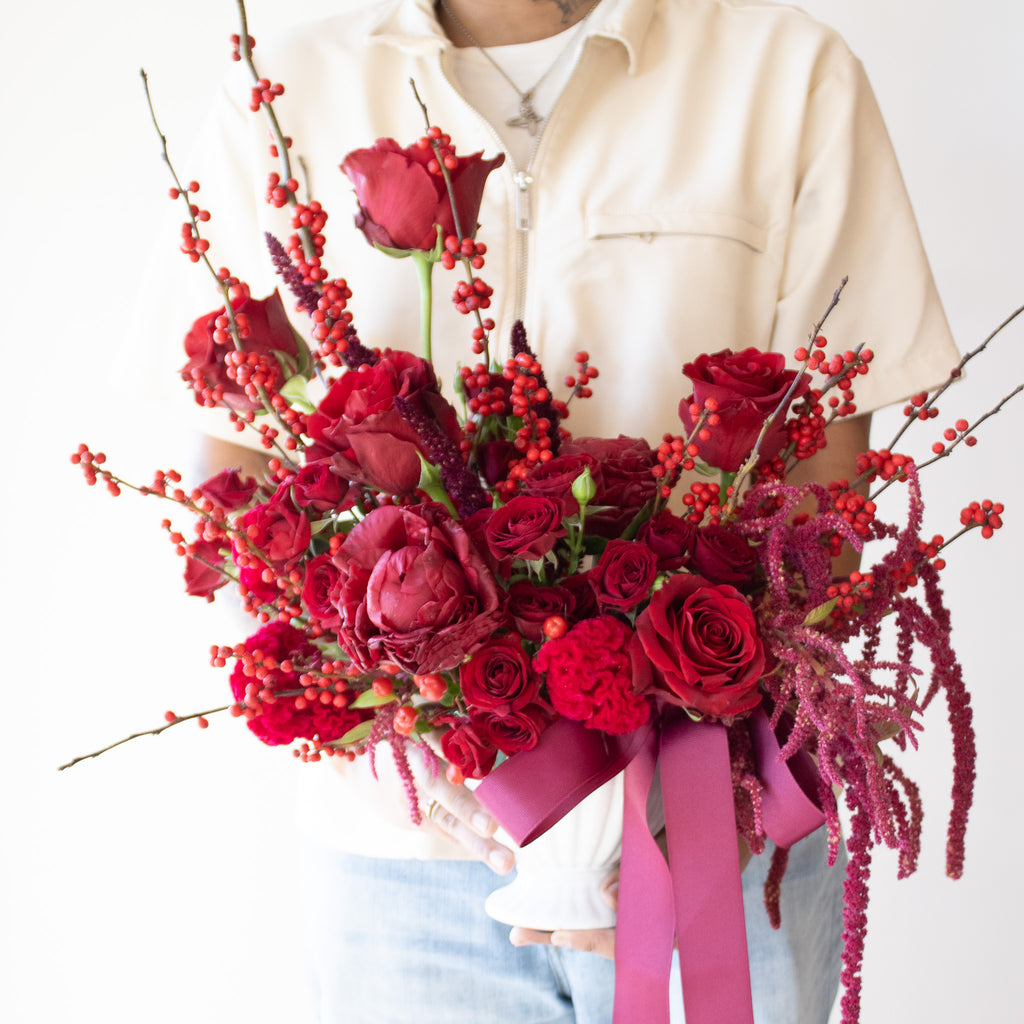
(455, 812)
(587, 940)
(447, 810)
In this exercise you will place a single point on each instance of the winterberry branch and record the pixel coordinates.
(200, 253)
(485, 336)
(177, 720)
(751, 461)
(955, 375)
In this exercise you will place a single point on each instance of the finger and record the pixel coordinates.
(590, 940)
(528, 937)
(454, 811)
(461, 802)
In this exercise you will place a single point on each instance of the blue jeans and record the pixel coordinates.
(407, 942)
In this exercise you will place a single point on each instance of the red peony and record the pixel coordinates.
(596, 674)
(748, 387)
(357, 427)
(414, 590)
(401, 201)
(285, 718)
(270, 335)
(702, 641)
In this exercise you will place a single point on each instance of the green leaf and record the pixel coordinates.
(821, 613)
(430, 482)
(369, 699)
(294, 389)
(354, 735)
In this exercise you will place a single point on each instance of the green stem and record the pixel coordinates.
(424, 267)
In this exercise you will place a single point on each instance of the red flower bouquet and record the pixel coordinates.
(548, 606)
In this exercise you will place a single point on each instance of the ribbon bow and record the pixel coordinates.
(695, 898)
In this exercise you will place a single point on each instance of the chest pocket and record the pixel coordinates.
(693, 221)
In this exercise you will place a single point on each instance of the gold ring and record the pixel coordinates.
(431, 808)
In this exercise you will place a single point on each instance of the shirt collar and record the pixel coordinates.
(410, 25)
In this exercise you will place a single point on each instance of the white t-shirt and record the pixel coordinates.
(709, 172)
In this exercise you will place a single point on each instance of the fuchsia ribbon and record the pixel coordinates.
(698, 902)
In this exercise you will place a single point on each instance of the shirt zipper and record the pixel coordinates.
(523, 179)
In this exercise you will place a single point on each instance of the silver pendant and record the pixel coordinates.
(528, 117)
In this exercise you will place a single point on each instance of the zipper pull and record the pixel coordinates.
(523, 182)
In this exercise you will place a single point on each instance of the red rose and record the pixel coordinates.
(623, 575)
(228, 490)
(553, 479)
(318, 591)
(670, 538)
(357, 427)
(498, 677)
(276, 531)
(413, 590)
(516, 730)
(529, 606)
(596, 674)
(702, 641)
(202, 569)
(524, 528)
(748, 387)
(319, 488)
(625, 483)
(270, 333)
(252, 583)
(469, 747)
(280, 718)
(722, 557)
(401, 201)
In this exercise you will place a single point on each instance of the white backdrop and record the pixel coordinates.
(155, 884)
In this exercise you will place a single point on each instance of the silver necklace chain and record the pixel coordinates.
(528, 117)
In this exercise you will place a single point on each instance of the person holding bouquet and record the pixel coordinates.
(680, 176)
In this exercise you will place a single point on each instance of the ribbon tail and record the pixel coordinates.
(646, 919)
(700, 823)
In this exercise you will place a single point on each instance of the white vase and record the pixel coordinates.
(559, 876)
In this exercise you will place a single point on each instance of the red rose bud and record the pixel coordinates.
(469, 748)
(228, 490)
(401, 202)
(748, 387)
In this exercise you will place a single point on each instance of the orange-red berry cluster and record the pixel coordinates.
(850, 593)
(466, 249)
(881, 463)
(308, 221)
(90, 461)
(986, 514)
(704, 500)
(580, 381)
(857, 510)
(263, 92)
(192, 245)
(915, 408)
(236, 45)
(444, 151)
(955, 433)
